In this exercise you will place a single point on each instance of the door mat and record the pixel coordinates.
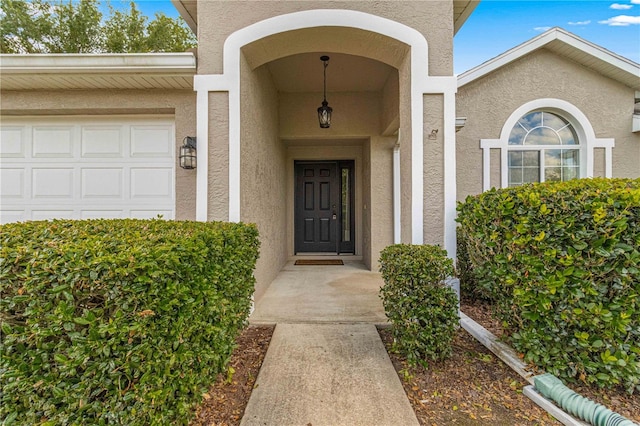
(319, 262)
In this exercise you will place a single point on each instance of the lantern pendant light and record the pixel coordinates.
(324, 112)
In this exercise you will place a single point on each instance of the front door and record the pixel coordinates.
(324, 207)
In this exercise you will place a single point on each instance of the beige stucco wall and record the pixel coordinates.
(434, 19)
(218, 179)
(263, 173)
(380, 206)
(178, 103)
(433, 177)
(488, 102)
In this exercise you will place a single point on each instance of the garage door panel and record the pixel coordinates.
(151, 141)
(52, 214)
(151, 214)
(100, 142)
(12, 183)
(102, 183)
(12, 142)
(102, 214)
(53, 142)
(151, 182)
(52, 183)
(87, 167)
(7, 216)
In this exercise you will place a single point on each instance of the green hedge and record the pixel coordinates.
(423, 311)
(119, 322)
(562, 263)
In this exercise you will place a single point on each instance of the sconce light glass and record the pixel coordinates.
(188, 158)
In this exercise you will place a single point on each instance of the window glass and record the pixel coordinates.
(549, 160)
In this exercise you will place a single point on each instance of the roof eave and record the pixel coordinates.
(622, 63)
(148, 63)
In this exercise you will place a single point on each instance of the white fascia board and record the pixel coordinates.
(192, 21)
(540, 41)
(121, 63)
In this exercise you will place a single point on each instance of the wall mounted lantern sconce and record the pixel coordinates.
(324, 112)
(188, 159)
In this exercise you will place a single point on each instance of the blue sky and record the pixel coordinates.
(498, 25)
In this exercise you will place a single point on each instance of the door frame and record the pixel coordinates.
(341, 167)
(327, 149)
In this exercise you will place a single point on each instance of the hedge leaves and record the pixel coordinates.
(119, 322)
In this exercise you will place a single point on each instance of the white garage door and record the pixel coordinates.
(86, 167)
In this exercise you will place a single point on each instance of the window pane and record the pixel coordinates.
(552, 157)
(542, 136)
(517, 135)
(346, 206)
(515, 159)
(571, 157)
(531, 120)
(568, 136)
(554, 121)
(571, 173)
(553, 174)
(531, 158)
(515, 177)
(531, 175)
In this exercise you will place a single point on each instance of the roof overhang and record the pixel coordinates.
(188, 9)
(461, 11)
(569, 46)
(97, 71)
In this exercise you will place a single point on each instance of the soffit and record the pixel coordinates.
(188, 9)
(461, 11)
(102, 71)
(345, 73)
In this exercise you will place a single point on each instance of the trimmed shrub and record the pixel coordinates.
(469, 287)
(562, 262)
(119, 322)
(423, 311)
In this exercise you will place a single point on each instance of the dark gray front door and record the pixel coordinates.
(324, 214)
(317, 207)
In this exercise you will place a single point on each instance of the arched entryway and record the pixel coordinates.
(272, 76)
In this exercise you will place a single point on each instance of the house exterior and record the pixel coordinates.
(98, 135)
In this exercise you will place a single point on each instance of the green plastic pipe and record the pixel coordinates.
(596, 414)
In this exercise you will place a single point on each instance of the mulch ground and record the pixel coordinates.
(225, 402)
(473, 387)
(616, 399)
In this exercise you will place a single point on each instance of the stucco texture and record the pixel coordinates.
(178, 103)
(263, 179)
(489, 101)
(434, 19)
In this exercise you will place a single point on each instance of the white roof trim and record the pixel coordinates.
(540, 41)
(65, 63)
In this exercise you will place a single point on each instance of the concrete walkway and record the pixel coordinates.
(326, 364)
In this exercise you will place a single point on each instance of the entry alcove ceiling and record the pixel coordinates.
(346, 73)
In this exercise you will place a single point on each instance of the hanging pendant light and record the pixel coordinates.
(324, 112)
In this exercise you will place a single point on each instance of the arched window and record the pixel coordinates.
(544, 140)
(543, 146)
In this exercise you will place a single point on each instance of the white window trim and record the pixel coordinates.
(582, 126)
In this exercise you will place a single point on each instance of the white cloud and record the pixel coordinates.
(621, 21)
(619, 6)
(542, 29)
(635, 1)
(579, 23)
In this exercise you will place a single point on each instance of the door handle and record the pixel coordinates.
(335, 216)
